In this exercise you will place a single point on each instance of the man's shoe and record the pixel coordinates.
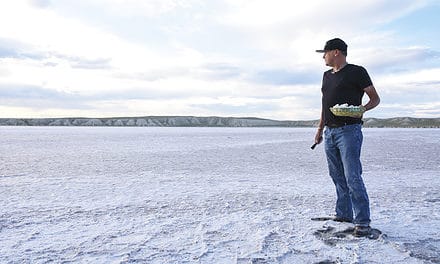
(361, 231)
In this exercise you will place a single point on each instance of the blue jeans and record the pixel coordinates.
(343, 150)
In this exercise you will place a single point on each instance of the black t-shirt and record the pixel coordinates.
(343, 87)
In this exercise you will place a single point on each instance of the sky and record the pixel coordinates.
(231, 58)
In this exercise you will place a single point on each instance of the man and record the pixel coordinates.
(345, 84)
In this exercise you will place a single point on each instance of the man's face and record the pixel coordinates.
(328, 57)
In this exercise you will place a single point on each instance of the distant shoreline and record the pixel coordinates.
(212, 121)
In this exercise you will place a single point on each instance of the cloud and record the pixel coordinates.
(150, 8)
(14, 91)
(238, 110)
(7, 52)
(289, 33)
(316, 14)
(41, 3)
(212, 57)
(425, 110)
(408, 94)
(286, 77)
(36, 99)
(85, 63)
(219, 71)
(20, 51)
(389, 59)
(51, 33)
(10, 48)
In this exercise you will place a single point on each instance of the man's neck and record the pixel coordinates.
(339, 67)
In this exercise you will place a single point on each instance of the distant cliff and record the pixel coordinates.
(403, 122)
(193, 121)
(154, 121)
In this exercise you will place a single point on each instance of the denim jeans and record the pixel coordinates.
(343, 150)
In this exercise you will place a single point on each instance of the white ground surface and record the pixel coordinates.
(208, 195)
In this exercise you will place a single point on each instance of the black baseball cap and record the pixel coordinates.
(334, 44)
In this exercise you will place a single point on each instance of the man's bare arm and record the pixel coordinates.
(374, 98)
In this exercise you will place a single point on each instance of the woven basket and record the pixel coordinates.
(349, 111)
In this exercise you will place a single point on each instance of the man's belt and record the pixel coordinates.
(331, 125)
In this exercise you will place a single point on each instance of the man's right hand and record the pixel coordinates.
(318, 136)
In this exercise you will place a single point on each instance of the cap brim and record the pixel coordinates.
(320, 51)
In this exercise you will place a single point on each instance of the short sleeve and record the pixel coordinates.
(364, 78)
